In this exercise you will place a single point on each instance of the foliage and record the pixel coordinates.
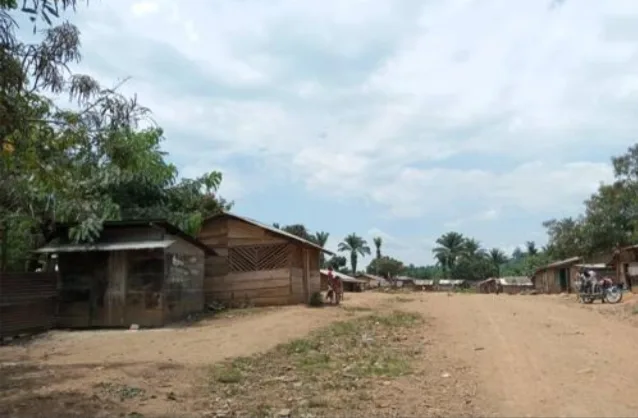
(356, 246)
(378, 242)
(83, 165)
(316, 300)
(338, 263)
(385, 266)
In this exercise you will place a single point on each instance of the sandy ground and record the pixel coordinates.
(494, 355)
(539, 356)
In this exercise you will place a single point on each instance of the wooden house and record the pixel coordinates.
(515, 284)
(349, 283)
(423, 284)
(625, 264)
(557, 277)
(257, 264)
(145, 272)
(373, 281)
(446, 285)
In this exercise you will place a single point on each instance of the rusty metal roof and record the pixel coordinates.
(54, 248)
(343, 277)
(560, 263)
(271, 229)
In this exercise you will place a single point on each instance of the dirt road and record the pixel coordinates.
(474, 355)
(539, 357)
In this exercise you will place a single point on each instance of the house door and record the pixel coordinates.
(562, 280)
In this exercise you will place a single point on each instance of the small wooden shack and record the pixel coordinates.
(257, 264)
(625, 263)
(349, 283)
(145, 272)
(423, 284)
(446, 285)
(556, 277)
(373, 281)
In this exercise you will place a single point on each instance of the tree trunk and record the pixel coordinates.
(353, 262)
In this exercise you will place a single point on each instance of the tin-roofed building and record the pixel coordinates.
(145, 272)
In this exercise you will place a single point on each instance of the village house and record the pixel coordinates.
(349, 283)
(511, 285)
(144, 272)
(373, 281)
(257, 264)
(423, 284)
(450, 284)
(624, 262)
(557, 277)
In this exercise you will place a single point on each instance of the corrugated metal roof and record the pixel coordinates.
(404, 278)
(452, 282)
(163, 223)
(595, 266)
(423, 282)
(115, 246)
(271, 229)
(343, 277)
(561, 263)
(515, 281)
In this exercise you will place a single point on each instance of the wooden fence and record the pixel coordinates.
(27, 302)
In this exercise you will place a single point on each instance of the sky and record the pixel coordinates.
(402, 119)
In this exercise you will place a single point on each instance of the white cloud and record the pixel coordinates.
(374, 99)
(144, 8)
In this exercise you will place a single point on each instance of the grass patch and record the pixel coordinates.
(402, 299)
(227, 373)
(122, 392)
(356, 308)
(321, 372)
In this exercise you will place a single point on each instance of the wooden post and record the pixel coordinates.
(306, 273)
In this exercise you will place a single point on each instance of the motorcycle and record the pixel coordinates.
(604, 290)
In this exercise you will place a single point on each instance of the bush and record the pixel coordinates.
(316, 300)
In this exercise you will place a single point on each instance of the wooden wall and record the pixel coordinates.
(184, 284)
(622, 262)
(256, 267)
(547, 281)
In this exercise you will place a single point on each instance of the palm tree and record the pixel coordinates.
(356, 246)
(531, 248)
(378, 241)
(320, 238)
(472, 248)
(498, 258)
(450, 247)
(442, 261)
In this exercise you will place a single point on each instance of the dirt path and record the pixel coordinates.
(60, 372)
(537, 357)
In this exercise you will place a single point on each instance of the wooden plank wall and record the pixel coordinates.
(27, 302)
(276, 286)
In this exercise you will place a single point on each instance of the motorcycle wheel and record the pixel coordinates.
(613, 295)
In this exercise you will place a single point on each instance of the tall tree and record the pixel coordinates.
(472, 248)
(498, 258)
(531, 248)
(385, 266)
(378, 241)
(321, 238)
(298, 230)
(450, 246)
(356, 246)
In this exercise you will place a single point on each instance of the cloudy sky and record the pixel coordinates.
(398, 118)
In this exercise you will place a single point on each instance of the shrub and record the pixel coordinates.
(316, 300)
